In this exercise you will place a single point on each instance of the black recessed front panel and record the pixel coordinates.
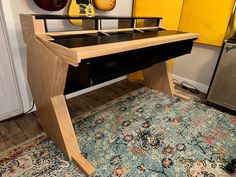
(100, 69)
(73, 41)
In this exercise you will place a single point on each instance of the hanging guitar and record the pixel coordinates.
(80, 8)
(104, 5)
(51, 5)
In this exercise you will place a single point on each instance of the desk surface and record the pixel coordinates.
(73, 41)
(73, 47)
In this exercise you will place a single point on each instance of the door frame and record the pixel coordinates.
(14, 54)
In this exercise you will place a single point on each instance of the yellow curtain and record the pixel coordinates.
(209, 18)
(169, 10)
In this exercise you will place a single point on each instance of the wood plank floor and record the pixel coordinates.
(19, 129)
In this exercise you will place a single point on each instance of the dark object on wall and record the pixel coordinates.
(222, 91)
(51, 5)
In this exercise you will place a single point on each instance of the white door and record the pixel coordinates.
(10, 104)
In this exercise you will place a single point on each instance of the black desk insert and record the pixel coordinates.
(104, 68)
(96, 70)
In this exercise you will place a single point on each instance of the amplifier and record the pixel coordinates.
(222, 91)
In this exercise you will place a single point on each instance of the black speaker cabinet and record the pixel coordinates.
(222, 91)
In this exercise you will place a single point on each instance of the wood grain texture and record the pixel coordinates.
(9, 129)
(182, 96)
(30, 26)
(14, 141)
(3, 143)
(47, 75)
(84, 164)
(66, 54)
(29, 125)
(158, 77)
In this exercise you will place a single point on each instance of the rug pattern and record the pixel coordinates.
(145, 133)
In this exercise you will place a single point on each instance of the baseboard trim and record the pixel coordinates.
(71, 95)
(201, 87)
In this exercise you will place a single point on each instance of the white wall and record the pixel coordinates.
(13, 8)
(198, 67)
(29, 7)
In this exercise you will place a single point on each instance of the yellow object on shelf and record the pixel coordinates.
(209, 18)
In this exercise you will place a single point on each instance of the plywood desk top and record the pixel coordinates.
(80, 45)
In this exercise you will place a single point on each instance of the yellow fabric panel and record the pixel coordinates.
(171, 63)
(136, 76)
(169, 10)
(209, 18)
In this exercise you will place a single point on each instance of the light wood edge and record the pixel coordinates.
(159, 77)
(66, 54)
(65, 124)
(111, 48)
(173, 90)
(30, 26)
(42, 75)
(75, 55)
(84, 164)
(45, 37)
(182, 96)
(96, 31)
(169, 78)
(47, 77)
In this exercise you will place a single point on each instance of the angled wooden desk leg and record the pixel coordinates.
(158, 77)
(47, 76)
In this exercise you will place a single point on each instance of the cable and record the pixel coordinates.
(30, 109)
(189, 87)
(176, 81)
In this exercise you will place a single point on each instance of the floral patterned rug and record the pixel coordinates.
(145, 133)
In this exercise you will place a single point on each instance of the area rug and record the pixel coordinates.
(145, 133)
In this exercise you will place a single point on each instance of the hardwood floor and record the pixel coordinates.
(19, 129)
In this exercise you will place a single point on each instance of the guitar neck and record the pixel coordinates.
(85, 8)
(90, 6)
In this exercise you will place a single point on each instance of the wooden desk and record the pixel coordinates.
(51, 53)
